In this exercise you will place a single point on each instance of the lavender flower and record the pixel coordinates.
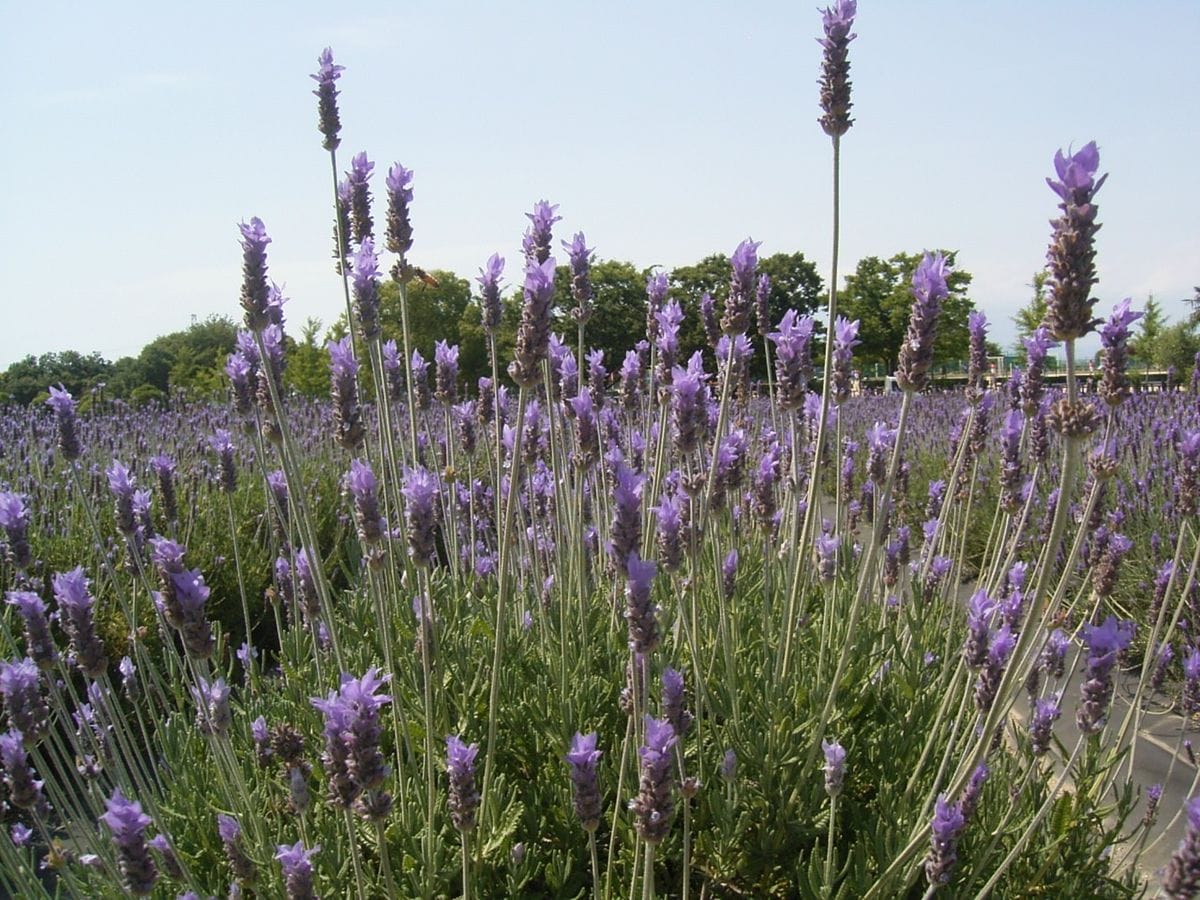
(353, 760)
(464, 798)
(489, 285)
(422, 396)
(845, 339)
(669, 518)
(222, 444)
(231, 832)
(361, 485)
(164, 470)
(916, 353)
(366, 290)
(446, 360)
(393, 371)
(421, 494)
(1182, 877)
(14, 519)
(1104, 642)
(75, 608)
(127, 823)
(349, 430)
(1045, 711)
(328, 122)
(66, 421)
(583, 757)
(654, 806)
(533, 334)
(24, 788)
(729, 567)
(361, 225)
(977, 364)
(399, 226)
(1071, 258)
(39, 644)
(835, 766)
(1191, 683)
(21, 687)
(793, 360)
(744, 261)
(296, 863)
(945, 829)
(1114, 385)
(674, 702)
(581, 285)
(122, 485)
(729, 765)
(1187, 474)
(689, 405)
(537, 239)
(255, 289)
(626, 534)
(656, 297)
(213, 712)
(640, 611)
(835, 67)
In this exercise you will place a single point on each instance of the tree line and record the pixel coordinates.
(445, 308)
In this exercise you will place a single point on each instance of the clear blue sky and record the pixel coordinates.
(136, 136)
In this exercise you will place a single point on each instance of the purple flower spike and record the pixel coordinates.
(296, 863)
(399, 225)
(63, 404)
(421, 495)
(583, 757)
(39, 643)
(366, 290)
(978, 362)
(489, 287)
(736, 319)
(464, 798)
(127, 823)
(24, 788)
(1104, 642)
(353, 760)
(14, 519)
(362, 227)
(835, 67)
(445, 358)
(1114, 385)
(75, 605)
(793, 360)
(533, 334)
(1046, 711)
(255, 289)
(627, 513)
(654, 806)
(538, 237)
(21, 690)
(1071, 258)
(916, 353)
(328, 122)
(948, 824)
(641, 614)
(835, 766)
(361, 485)
(1182, 876)
(674, 702)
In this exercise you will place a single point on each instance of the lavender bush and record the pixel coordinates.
(524, 567)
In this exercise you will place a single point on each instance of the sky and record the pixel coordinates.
(137, 136)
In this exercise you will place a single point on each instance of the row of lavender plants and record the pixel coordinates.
(578, 631)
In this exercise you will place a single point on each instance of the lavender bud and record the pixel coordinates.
(583, 757)
(653, 807)
(464, 798)
(835, 67)
(326, 93)
(127, 823)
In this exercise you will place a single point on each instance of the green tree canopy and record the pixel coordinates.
(878, 295)
(30, 377)
(1144, 344)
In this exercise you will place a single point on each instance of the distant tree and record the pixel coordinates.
(619, 310)
(878, 294)
(1150, 329)
(191, 360)
(30, 377)
(1177, 346)
(307, 369)
(1030, 316)
(795, 284)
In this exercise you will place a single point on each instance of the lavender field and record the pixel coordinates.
(604, 627)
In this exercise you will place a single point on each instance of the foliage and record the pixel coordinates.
(878, 295)
(28, 378)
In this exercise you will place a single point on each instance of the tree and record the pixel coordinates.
(878, 294)
(1030, 316)
(1150, 328)
(307, 369)
(795, 284)
(618, 309)
(30, 377)
(191, 360)
(1177, 346)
